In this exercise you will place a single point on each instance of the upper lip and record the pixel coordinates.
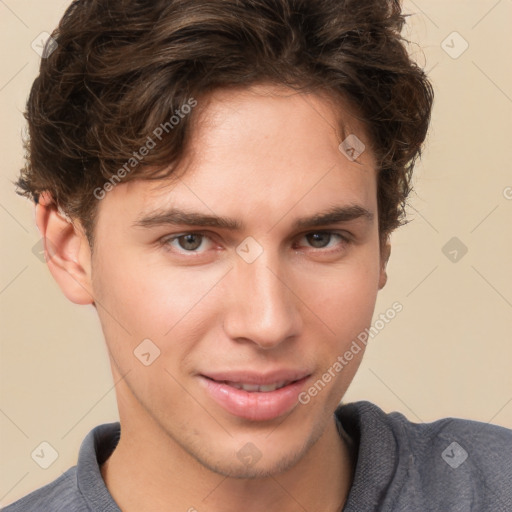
(259, 379)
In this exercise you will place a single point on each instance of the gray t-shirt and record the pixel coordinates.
(450, 465)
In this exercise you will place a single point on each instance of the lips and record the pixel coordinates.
(256, 397)
(254, 388)
(255, 378)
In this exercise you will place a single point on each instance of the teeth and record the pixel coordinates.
(255, 388)
(271, 387)
(250, 387)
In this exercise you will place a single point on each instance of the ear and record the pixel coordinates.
(385, 252)
(67, 251)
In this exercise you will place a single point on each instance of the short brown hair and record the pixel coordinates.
(120, 68)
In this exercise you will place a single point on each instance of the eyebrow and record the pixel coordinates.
(178, 217)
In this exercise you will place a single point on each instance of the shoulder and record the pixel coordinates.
(81, 488)
(460, 460)
(61, 495)
(482, 442)
(447, 464)
(457, 441)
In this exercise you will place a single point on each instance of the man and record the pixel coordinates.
(220, 179)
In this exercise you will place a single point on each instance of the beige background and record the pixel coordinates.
(448, 353)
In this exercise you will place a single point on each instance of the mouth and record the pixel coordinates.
(255, 397)
(255, 388)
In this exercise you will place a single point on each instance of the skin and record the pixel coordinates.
(264, 156)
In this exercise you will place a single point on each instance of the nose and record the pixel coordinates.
(263, 308)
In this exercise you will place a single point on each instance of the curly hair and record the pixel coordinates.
(120, 68)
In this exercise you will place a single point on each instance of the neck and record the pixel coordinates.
(148, 471)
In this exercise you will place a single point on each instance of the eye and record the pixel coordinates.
(199, 243)
(186, 242)
(323, 239)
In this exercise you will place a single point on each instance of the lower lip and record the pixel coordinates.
(255, 406)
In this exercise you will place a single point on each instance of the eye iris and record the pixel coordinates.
(315, 238)
(189, 244)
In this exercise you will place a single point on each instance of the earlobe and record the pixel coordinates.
(67, 251)
(384, 257)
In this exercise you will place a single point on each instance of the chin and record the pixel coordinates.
(261, 457)
(258, 469)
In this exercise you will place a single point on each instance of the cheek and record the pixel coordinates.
(142, 296)
(347, 309)
(144, 299)
(344, 299)
(343, 302)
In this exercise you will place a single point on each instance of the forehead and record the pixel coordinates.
(267, 117)
(264, 149)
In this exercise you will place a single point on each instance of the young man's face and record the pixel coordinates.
(265, 304)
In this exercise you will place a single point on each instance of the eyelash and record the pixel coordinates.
(166, 241)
